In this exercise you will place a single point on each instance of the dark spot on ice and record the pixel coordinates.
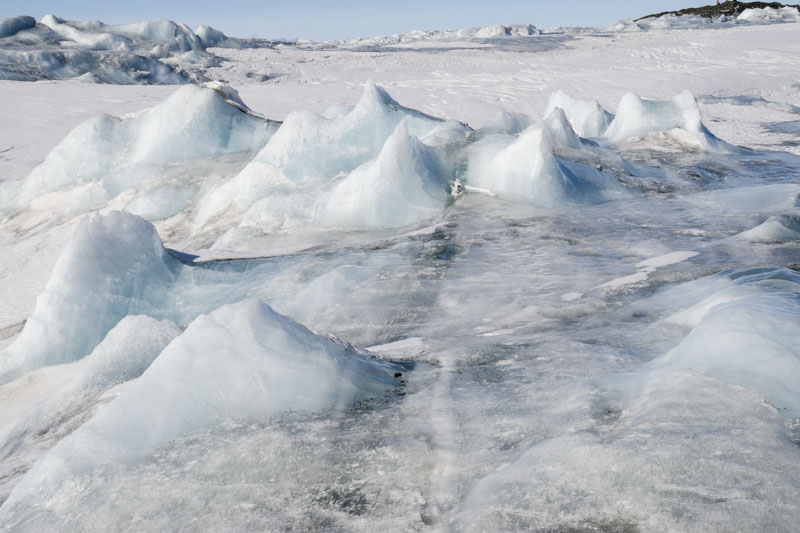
(398, 374)
(347, 499)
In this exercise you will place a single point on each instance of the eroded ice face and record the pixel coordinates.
(600, 337)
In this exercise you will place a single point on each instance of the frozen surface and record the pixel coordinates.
(573, 333)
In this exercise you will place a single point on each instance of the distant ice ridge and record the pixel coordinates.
(242, 362)
(103, 53)
(767, 15)
(107, 155)
(472, 33)
(11, 25)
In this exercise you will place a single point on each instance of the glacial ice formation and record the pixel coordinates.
(98, 35)
(103, 53)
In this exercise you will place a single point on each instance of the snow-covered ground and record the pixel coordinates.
(518, 280)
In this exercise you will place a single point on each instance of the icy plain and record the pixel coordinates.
(523, 281)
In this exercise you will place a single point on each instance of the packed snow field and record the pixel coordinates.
(524, 280)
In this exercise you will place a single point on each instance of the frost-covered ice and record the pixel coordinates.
(580, 291)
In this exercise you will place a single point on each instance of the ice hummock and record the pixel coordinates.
(678, 119)
(524, 168)
(402, 186)
(107, 155)
(243, 361)
(124, 354)
(587, 118)
(776, 229)
(115, 265)
(290, 180)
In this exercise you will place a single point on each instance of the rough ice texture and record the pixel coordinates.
(586, 117)
(128, 349)
(678, 118)
(114, 266)
(11, 25)
(104, 153)
(244, 361)
(477, 33)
